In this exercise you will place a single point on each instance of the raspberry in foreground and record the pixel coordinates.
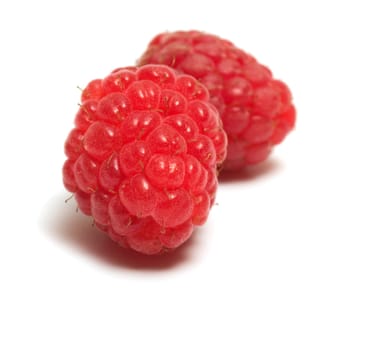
(143, 155)
(256, 110)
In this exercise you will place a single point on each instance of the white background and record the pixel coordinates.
(282, 262)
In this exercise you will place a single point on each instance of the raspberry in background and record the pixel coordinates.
(256, 109)
(143, 156)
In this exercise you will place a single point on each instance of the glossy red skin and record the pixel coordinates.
(142, 158)
(256, 110)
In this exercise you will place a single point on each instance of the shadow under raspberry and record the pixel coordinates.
(61, 221)
(255, 172)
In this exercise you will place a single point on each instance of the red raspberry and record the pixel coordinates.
(256, 110)
(143, 156)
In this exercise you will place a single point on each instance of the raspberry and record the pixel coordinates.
(143, 156)
(256, 110)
